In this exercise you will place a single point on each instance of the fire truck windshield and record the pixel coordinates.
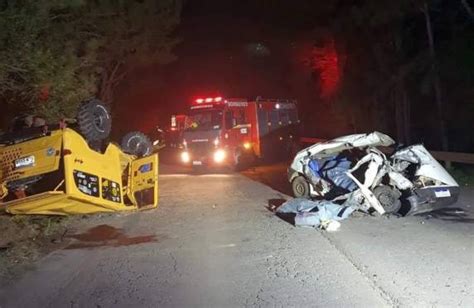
(200, 120)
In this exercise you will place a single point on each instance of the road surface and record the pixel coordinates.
(213, 243)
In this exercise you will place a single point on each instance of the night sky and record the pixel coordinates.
(234, 50)
(273, 49)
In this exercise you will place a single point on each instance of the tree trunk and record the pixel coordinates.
(110, 78)
(468, 8)
(436, 81)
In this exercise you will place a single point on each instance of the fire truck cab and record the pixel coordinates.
(174, 134)
(234, 131)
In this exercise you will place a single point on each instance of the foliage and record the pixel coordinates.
(391, 74)
(464, 174)
(53, 54)
(39, 69)
(126, 34)
(329, 64)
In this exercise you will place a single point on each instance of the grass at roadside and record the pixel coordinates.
(24, 239)
(464, 174)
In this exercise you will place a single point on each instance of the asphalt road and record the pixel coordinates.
(213, 243)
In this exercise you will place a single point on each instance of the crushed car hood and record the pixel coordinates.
(330, 147)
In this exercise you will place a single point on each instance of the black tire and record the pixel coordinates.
(137, 143)
(94, 120)
(389, 198)
(300, 187)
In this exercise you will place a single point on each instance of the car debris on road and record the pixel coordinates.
(353, 171)
(318, 214)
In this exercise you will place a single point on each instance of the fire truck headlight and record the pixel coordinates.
(185, 157)
(219, 156)
(216, 141)
(247, 145)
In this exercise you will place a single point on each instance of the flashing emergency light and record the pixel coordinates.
(209, 100)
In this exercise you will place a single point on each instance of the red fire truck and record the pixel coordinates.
(235, 130)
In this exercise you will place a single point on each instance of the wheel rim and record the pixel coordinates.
(299, 189)
(100, 116)
(386, 200)
(137, 146)
(99, 122)
(142, 149)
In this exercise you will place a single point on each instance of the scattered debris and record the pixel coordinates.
(333, 226)
(317, 214)
(354, 170)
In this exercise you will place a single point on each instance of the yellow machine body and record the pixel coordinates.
(59, 174)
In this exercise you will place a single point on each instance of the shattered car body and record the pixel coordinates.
(353, 169)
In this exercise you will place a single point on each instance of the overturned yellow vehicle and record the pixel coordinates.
(58, 173)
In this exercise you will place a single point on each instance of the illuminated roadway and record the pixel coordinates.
(213, 243)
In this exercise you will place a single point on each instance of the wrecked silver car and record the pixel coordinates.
(355, 171)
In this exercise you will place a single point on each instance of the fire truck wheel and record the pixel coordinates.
(136, 143)
(94, 120)
(243, 159)
(300, 187)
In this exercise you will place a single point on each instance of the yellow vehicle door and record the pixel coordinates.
(143, 182)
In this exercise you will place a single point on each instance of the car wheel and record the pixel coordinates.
(389, 198)
(94, 120)
(137, 143)
(300, 187)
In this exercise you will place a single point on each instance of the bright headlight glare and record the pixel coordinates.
(219, 156)
(247, 145)
(185, 157)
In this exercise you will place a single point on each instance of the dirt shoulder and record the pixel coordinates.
(25, 239)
